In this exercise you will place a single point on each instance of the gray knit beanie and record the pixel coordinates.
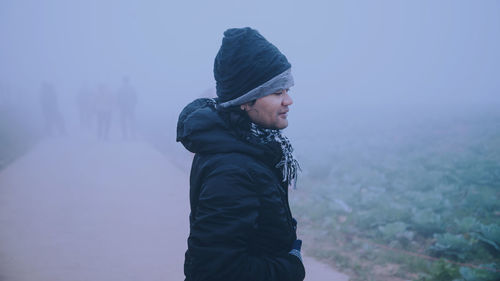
(248, 67)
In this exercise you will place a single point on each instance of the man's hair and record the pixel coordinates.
(236, 119)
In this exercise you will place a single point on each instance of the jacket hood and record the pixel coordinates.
(201, 130)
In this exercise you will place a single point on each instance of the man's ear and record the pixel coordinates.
(244, 106)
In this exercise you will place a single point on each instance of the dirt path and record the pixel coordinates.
(89, 210)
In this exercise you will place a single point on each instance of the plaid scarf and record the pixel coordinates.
(288, 165)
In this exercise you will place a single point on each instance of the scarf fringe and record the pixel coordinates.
(288, 165)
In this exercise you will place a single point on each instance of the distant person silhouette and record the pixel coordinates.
(54, 122)
(127, 100)
(84, 105)
(103, 105)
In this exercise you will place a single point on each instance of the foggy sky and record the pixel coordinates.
(383, 53)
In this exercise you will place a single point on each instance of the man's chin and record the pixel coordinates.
(283, 125)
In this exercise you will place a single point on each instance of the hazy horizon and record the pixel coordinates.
(344, 54)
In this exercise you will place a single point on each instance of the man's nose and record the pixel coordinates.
(287, 100)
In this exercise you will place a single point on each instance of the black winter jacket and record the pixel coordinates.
(241, 227)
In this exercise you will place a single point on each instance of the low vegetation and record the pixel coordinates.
(414, 203)
(16, 135)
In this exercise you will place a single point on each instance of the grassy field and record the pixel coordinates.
(381, 205)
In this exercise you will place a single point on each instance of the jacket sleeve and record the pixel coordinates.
(225, 220)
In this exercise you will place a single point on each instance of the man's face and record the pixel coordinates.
(270, 111)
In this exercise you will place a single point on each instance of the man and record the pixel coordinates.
(241, 227)
(50, 107)
(127, 101)
(104, 109)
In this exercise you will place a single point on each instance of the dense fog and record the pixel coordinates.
(347, 57)
(378, 85)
